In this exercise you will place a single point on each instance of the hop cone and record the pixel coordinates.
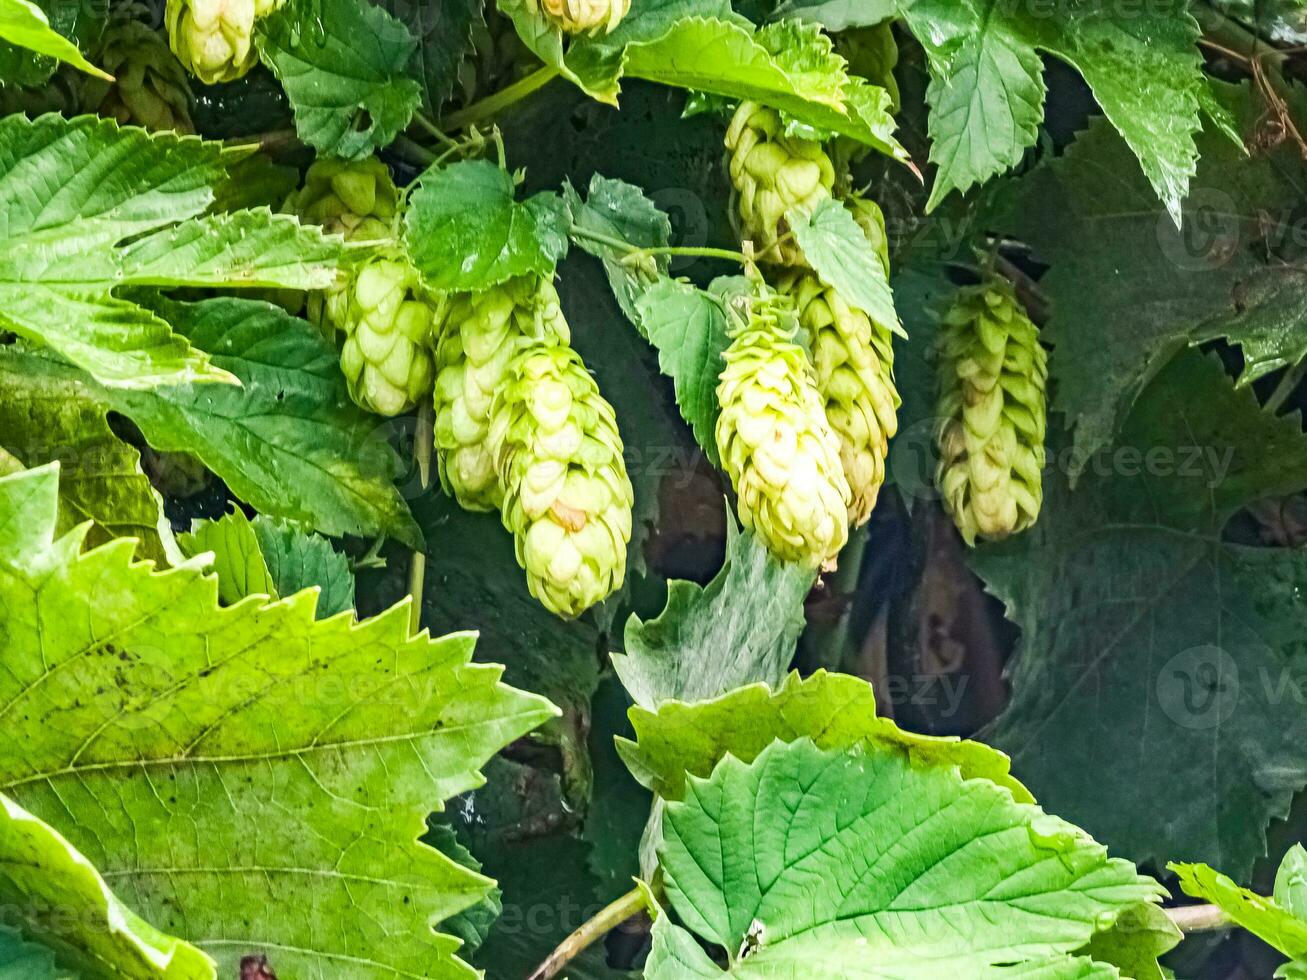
(567, 498)
(482, 333)
(778, 448)
(356, 199)
(213, 39)
(386, 356)
(992, 373)
(853, 362)
(150, 87)
(771, 174)
(584, 16)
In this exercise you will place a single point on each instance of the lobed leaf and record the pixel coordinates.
(26, 25)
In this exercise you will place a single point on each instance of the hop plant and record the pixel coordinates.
(584, 16)
(992, 376)
(150, 88)
(353, 198)
(386, 355)
(873, 54)
(853, 361)
(481, 334)
(567, 498)
(771, 174)
(777, 445)
(213, 39)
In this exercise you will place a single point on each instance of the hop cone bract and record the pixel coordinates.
(150, 87)
(584, 16)
(482, 333)
(992, 376)
(353, 198)
(567, 498)
(213, 39)
(771, 174)
(853, 362)
(386, 356)
(777, 446)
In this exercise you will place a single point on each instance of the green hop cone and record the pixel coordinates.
(386, 355)
(482, 334)
(773, 173)
(583, 16)
(853, 362)
(567, 498)
(992, 377)
(778, 447)
(354, 198)
(150, 88)
(213, 39)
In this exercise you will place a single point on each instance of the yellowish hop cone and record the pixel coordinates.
(584, 16)
(214, 39)
(386, 355)
(567, 497)
(481, 335)
(773, 173)
(992, 378)
(777, 446)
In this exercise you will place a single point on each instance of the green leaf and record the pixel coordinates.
(845, 260)
(836, 711)
(840, 15)
(204, 752)
(72, 190)
(739, 629)
(987, 90)
(342, 64)
(617, 210)
(474, 923)
(1154, 654)
(1264, 917)
(444, 39)
(271, 558)
(53, 891)
(1291, 882)
(688, 326)
(237, 558)
(922, 873)
(26, 961)
(288, 441)
(1095, 220)
(465, 229)
(1133, 944)
(43, 419)
(25, 24)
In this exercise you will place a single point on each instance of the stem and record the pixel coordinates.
(268, 141)
(1197, 918)
(417, 569)
(630, 904)
(425, 122)
(832, 645)
(633, 250)
(413, 150)
(1286, 387)
(497, 102)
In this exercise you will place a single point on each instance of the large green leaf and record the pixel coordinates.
(342, 64)
(1159, 662)
(444, 33)
(21, 960)
(24, 24)
(101, 481)
(465, 229)
(288, 441)
(809, 862)
(194, 754)
(1155, 288)
(1272, 921)
(72, 191)
(836, 711)
(739, 629)
(987, 90)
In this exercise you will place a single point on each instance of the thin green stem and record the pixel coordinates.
(1288, 384)
(634, 250)
(496, 103)
(630, 904)
(1197, 918)
(413, 150)
(417, 570)
(425, 122)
